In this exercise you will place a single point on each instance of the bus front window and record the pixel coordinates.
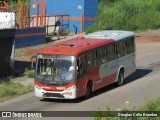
(55, 68)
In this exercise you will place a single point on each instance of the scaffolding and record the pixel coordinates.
(24, 20)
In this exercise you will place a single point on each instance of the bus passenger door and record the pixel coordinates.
(81, 78)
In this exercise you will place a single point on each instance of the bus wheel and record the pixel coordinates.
(120, 79)
(88, 91)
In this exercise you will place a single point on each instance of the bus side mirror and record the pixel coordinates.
(33, 60)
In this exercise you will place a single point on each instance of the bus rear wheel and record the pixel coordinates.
(120, 79)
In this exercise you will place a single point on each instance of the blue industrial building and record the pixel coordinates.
(82, 12)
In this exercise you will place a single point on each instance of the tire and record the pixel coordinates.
(120, 79)
(88, 91)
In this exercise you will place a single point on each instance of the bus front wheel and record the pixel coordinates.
(88, 91)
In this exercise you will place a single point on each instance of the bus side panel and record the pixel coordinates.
(128, 62)
(132, 65)
(80, 86)
(105, 81)
(91, 74)
(107, 74)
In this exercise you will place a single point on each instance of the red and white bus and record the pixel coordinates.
(79, 66)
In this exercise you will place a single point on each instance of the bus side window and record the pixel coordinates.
(130, 45)
(110, 52)
(121, 48)
(101, 56)
(90, 59)
(80, 66)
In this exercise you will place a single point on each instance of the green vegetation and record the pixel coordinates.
(12, 89)
(31, 73)
(153, 105)
(133, 15)
(150, 106)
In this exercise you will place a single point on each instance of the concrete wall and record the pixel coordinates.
(74, 8)
(7, 38)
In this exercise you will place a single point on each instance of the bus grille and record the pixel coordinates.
(57, 95)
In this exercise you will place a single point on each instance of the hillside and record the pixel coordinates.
(133, 15)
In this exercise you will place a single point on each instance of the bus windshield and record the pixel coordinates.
(52, 69)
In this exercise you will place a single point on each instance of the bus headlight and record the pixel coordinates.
(69, 91)
(70, 88)
(36, 86)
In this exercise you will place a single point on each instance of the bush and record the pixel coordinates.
(11, 89)
(31, 74)
(132, 15)
(153, 105)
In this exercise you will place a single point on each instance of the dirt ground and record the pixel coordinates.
(24, 54)
(148, 36)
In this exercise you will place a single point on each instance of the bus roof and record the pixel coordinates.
(111, 34)
(79, 45)
(75, 46)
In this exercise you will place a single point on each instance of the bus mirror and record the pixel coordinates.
(33, 60)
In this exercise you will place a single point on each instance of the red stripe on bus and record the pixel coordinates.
(53, 88)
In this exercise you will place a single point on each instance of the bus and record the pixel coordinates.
(82, 65)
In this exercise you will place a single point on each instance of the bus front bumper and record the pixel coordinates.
(66, 94)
